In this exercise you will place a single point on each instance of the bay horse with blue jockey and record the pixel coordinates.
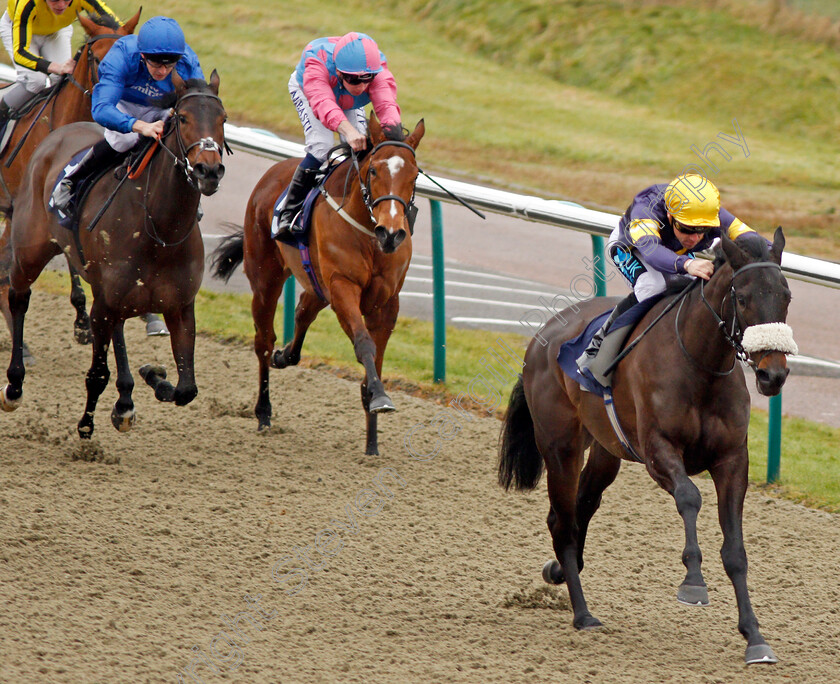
(144, 253)
(681, 398)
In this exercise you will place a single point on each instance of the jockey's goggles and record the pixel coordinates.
(691, 230)
(161, 59)
(355, 79)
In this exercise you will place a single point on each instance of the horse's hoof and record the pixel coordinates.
(693, 595)
(760, 653)
(280, 360)
(588, 622)
(85, 431)
(155, 327)
(382, 404)
(123, 422)
(552, 573)
(7, 404)
(150, 369)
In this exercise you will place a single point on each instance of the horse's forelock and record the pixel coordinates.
(394, 132)
(752, 244)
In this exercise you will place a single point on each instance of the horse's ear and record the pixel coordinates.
(90, 26)
(214, 82)
(778, 245)
(178, 83)
(417, 134)
(375, 129)
(736, 256)
(129, 26)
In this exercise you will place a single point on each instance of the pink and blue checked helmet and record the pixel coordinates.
(357, 53)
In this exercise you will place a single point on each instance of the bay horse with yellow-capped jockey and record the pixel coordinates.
(681, 398)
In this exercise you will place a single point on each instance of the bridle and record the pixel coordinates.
(93, 61)
(735, 334)
(369, 201)
(181, 159)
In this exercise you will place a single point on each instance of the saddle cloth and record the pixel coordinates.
(301, 224)
(593, 379)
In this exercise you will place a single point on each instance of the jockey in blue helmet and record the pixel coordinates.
(334, 80)
(133, 76)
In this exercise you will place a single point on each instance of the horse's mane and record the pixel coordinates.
(103, 20)
(752, 243)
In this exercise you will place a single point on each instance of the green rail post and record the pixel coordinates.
(439, 292)
(289, 310)
(599, 266)
(774, 439)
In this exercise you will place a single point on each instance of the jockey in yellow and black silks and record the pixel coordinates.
(36, 34)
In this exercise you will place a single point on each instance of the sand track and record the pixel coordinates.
(112, 569)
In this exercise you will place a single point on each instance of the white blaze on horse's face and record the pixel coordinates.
(394, 166)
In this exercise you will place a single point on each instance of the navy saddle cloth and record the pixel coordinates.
(300, 228)
(570, 350)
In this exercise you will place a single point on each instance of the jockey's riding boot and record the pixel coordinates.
(98, 157)
(302, 182)
(14, 97)
(584, 360)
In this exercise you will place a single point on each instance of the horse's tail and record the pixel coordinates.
(520, 462)
(227, 256)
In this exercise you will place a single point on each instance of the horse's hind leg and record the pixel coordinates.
(267, 291)
(181, 325)
(730, 478)
(599, 473)
(81, 327)
(12, 394)
(122, 415)
(308, 307)
(102, 326)
(668, 470)
(563, 465)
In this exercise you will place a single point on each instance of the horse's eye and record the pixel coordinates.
(182, 119)
(741, 299)
(372, 171)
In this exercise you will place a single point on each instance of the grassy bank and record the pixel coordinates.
(810, 463)
(585, 101)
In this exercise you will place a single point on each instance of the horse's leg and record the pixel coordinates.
(563, 461)
(308, 307)
(345, 302)
(12, 394)
(730, 478)
(122, 415)
(81, 327)
(380, 325)
(181, 326)
(599, 473)
(102, 326)
(266, 291)
(668, 470)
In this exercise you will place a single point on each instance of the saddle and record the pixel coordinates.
(69, 217)
(7, 128)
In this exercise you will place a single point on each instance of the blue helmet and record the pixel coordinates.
(161, 36)
(357, 53)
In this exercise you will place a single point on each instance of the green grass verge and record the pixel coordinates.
(589, 101)
(810, 463)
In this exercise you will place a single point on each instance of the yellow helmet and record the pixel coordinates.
(693, 200)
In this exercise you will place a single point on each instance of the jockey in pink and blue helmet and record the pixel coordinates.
(333, 82)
